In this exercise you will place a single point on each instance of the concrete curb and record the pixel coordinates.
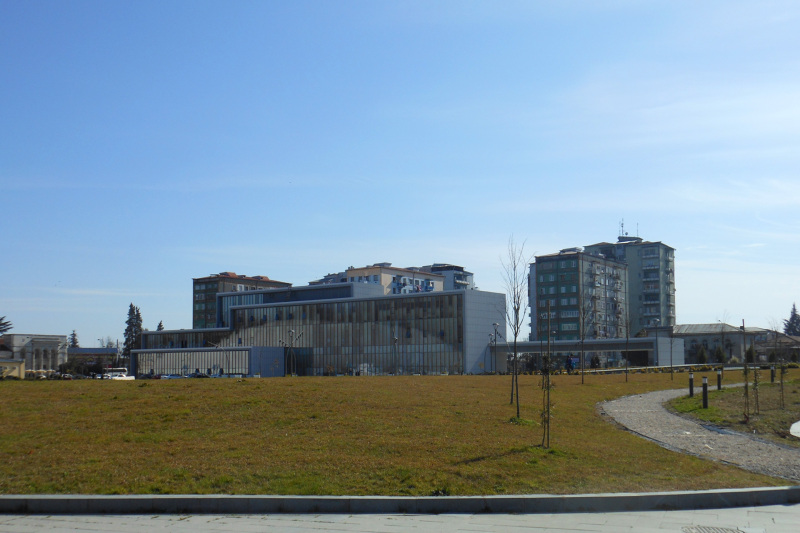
(522, 504)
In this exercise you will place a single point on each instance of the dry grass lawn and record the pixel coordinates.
(412, 435)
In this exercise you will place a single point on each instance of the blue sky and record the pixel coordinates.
(146, 143)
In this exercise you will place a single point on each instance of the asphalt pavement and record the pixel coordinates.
(764, 519)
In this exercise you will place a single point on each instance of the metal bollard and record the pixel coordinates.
(772, 374)
(691, 384)
(719, 379)
(705, 392)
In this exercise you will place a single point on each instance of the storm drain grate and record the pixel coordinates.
(709, 529)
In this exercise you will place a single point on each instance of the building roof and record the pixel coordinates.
(91, 351)
(711, 329)
(235, 276)
(637, 241)
(568, 252)
(388, 266)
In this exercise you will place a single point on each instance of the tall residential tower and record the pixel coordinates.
(651, 279)
(585, 295)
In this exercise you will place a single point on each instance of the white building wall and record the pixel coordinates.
(481, 310)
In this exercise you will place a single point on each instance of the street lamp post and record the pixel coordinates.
(290, 358)
(657, 354)
(494, 355)
(394, 347)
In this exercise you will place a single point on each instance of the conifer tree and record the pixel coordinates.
(791, 326)
(5, 325)
(133, 330)
(719, 355)
(73, 340)
(160, 326)
(702, 357)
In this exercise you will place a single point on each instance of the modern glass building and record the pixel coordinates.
(339, 329)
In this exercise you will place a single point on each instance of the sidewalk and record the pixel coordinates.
(769, 519)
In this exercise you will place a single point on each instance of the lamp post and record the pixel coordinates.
(671, 341)
(290, 358)
(489, 350)
(495, 325)
(657, 355)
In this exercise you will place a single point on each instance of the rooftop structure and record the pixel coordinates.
(394, 280)
(205, 290)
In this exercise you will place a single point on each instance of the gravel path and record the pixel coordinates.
(646, 416)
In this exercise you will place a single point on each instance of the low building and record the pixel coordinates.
(333, 329)
(87, 360)
(38, 352)
(733, 341)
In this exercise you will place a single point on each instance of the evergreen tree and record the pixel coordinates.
(160, 326)
(750, 355)
(719, 355)
(792, 325)
(73, 340)
(133, 331)
(702, 356)
(5, 325)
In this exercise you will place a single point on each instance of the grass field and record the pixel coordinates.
(411, 435)
(726, 408)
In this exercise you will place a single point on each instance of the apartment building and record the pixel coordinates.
(394, 280)
(574, 293)
(455, 277)
(205, 290)
(651, 279)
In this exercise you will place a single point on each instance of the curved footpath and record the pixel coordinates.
(645, 415)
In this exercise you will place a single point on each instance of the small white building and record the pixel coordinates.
(38, 352)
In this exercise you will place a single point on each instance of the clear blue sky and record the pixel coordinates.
(146, 143)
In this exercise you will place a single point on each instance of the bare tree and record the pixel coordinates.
(722, 324)
(547, 367)
(779, 356)
(585, 324)
(627, 320)
(515, 278)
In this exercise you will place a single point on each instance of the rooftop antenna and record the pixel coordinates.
(622, 228)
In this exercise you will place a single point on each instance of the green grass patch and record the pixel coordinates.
(726, 409)
(401, 435)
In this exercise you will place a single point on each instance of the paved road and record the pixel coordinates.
(770, 519)
(645, 415)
